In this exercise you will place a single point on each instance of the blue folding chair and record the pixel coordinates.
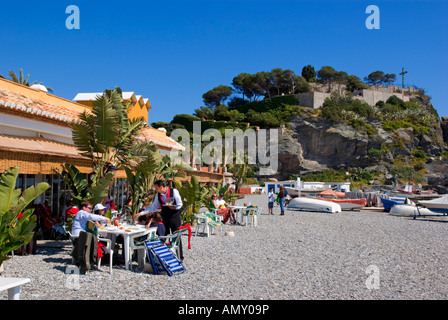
(163, 259)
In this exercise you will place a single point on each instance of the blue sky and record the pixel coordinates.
(173, 51)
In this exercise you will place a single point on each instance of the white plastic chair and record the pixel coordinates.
(251, 213)
(201, 220)
(151, 235)
(173, 241)
(109, 250)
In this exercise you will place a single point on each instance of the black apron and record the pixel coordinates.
(171, 218)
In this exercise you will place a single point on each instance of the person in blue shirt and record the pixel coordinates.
(84, 215)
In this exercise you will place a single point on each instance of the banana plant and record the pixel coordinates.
(14, 231)
(194, 196)
(229, 196)
(106, 135)
(81, 189)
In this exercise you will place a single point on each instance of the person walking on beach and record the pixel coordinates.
(271, 200)
(281, 196)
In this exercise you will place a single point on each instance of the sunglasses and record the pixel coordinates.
(89, 208)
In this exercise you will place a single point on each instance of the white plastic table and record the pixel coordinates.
(128, 230)
(13, 286)
(238, 210)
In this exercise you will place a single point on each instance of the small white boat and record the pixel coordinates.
(309, 204)
(439, 205)
(408, 210)
(294, 192)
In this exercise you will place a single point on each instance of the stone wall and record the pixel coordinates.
(316, 99)
(372, 96)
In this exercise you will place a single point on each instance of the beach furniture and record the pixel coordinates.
(172, 241)
(136, 243)
(13, 286)
(162, 259)
(251, 214)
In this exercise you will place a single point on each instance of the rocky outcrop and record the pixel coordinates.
(314, 144)
(444, 126)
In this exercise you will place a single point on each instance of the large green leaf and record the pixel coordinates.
(107, 126)
(83, 134)
(8, 194)
(99, 191)
(29, 195)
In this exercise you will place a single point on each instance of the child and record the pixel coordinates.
(271, 200)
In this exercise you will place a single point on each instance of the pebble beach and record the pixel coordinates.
(352, 255)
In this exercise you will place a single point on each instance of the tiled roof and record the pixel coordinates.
(160, 138)
(30, 101)
(35, 103)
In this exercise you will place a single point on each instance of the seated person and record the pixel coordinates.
(84, 215)
(99, 209)
(220, 205)
(153, 219)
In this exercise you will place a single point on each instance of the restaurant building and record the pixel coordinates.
(35, 135)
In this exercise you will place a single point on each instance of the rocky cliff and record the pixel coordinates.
(313, 144)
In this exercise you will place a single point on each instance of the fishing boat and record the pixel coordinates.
(348, 204)
(439, 205)
(410, 189)
(294, 192)
(310, 204)
(339, 198)
(408, 210)
(389, 203)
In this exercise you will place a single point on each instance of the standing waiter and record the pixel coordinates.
(170, 211)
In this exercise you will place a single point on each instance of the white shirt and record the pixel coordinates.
(220, 202)
(156, 204)
(81, 218)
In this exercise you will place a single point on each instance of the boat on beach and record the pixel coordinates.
(339, 198)
(294, 192)
(389, 203)
(407, 210)
(439, 205)
(315, 205)
(410, 188)
(348, 204)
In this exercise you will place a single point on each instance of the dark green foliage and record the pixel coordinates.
(309, 73)
(333, 107)
(217, 95)
(167, 125)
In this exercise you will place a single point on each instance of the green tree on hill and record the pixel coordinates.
(217, 95)
(378, 78)
(309, 73)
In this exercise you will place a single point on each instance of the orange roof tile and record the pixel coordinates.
(160, 138)
(26, 100)
(31, 102)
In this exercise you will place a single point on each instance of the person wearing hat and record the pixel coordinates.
(84, 215)
(99, 209)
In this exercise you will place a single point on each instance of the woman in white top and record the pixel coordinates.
(271, 200)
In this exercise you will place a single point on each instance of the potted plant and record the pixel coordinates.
(16, 221)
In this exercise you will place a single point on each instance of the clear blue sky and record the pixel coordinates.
(172, 52)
